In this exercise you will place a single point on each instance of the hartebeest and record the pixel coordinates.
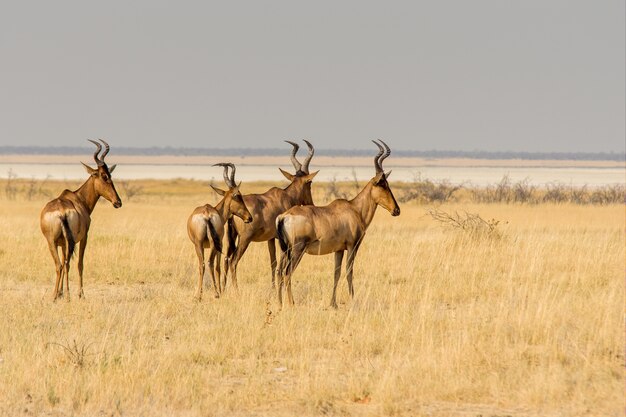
(205, 227)
(65, 220)
(340, 226)
(265, 207)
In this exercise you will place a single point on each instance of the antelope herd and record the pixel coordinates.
(287, 214)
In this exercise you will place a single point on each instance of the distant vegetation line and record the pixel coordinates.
(171, 151)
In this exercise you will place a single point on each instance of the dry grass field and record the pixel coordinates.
(525, 321)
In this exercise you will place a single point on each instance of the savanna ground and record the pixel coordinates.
(525, 320)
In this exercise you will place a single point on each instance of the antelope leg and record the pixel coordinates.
(338, 260)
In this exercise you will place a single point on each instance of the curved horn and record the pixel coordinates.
(226, 178)
(232, 174)
(229, 180)
(106, 150)
(385, 155)
(307, 161)
(381, 151)
(95, 155)
(297, 165)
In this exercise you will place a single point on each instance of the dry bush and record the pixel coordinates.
(556, 193)
(470, 223)
(609, 194)
(506, 191)
(579, 195)
(424, 190)
(130, 189)
(36, 188)
(335, 189)
(10, 191)
(31, 189)
(74, 353)
(524, 192)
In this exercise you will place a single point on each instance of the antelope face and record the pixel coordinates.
(233, 201)
(103, 183)
(237, 207)
(382, 195)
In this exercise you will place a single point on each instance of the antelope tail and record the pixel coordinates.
(285, 261)
(280, 232)
(217, 242)
(69, 238)
(231, 234)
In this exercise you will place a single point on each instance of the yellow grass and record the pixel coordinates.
(442, 324)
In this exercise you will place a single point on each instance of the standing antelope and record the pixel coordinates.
(265, 207)
(205, 227)
(340, 226)
(65, 220)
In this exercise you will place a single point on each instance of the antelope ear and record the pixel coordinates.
(89, 169)
(309, 177)
(217, 190)
(387, 174)
(287, 175)
(112, 168)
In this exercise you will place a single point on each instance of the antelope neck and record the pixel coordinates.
(292, 191)
(365, 204)
(87, 194)
(221, 208)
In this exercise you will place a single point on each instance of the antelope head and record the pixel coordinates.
(302, 179)
(380, 192)
(102, 181)
(233, 200)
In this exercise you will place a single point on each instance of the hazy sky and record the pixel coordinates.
(538, 75)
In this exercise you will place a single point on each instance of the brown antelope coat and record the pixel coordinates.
(65, 220)
(337, 227)
(205, 228)
(265, 208)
